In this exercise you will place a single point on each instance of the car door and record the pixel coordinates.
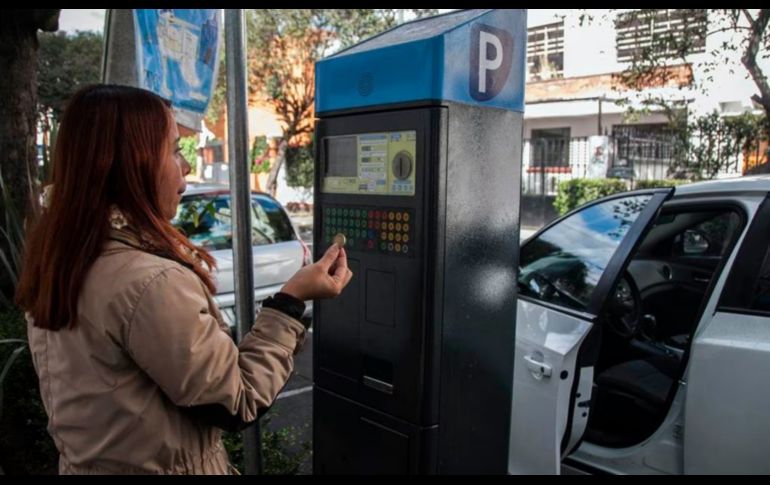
(567, 271)
(727, 423)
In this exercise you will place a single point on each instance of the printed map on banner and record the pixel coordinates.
(177, 54)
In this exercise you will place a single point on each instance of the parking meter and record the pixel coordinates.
(418, 156)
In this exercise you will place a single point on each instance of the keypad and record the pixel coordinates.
(370, 229)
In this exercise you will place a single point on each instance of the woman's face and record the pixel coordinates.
(174, 168)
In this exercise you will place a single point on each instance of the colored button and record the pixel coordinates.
(384, 226)
(405, 227)
(398, 226)
(344, 212)
(383, 235)
(398, 216)
(398, 237)
(391, 215)
(405, 238)
(383, 246)
(406, 217)
(370, 214)
(398, 247)
(390, 246)
(372, 234)
(370, 244)
(376, 214)
(327, 211)
(404, 248)
(391, 226)
(390, 236)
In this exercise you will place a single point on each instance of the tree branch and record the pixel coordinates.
(749, 58)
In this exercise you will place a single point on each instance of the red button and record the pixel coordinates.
(370, 213)
(376, 214)
(370, 244)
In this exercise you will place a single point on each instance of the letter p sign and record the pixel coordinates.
(491, 55)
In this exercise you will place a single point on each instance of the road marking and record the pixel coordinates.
(294, 392)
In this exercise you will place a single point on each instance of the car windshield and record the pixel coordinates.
(207, 222)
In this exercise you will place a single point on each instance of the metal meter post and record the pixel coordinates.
(418, 165)
(238, 139)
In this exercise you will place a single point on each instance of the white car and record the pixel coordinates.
(278, 252)
(643, 335)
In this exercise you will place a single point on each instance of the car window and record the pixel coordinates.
(708, 238)
(563, 265)
(207, 221)
(271, 221)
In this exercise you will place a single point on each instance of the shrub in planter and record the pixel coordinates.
(576, 192)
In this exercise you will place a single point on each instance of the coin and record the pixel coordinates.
(340, 240)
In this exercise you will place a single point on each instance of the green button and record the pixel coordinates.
(327, 210)
(383, 246)
(351, 242)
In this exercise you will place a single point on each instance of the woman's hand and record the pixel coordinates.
(323, 279)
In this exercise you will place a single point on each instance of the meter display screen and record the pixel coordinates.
(370, 163)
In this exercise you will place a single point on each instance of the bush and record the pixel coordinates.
(576, 192)
(26, 448)
(654, 184)
(281, 452)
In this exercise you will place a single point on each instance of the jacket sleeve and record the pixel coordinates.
(178, 343)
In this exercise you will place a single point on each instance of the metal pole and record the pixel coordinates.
(240, 205)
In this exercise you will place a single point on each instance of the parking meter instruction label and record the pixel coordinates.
(371, 164)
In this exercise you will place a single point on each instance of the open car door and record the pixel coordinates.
(568, 273)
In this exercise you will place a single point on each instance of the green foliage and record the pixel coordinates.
(189, 147)
(65, 63)
(576, 192)
(25, 445)
(653, 184)
(706, 144)
(282, 454)
(11, 242)
(300, 166)
(260, 163)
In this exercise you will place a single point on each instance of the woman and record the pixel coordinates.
(134, 360)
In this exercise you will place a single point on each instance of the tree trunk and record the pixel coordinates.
(272, 180)
(18, 109)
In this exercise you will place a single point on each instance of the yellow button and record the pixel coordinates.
(398, 216)
(383, 235)
(384, 226)
(406, 217)
(398, 247)
(391, 215)
(398, 237)
(390, 236)
(405, 227)
(398, 226)
(405, 238)
(391, 226)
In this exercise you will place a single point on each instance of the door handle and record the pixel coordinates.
(540, 369)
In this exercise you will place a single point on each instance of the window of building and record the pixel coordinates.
(550, 148)
(545, 52)
(652, 142)
(670, 32)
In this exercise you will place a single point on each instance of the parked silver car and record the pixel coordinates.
(278, 252)
(643, 335)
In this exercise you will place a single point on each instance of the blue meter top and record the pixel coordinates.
(470, 56)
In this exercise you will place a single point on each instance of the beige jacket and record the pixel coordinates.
(149, 344)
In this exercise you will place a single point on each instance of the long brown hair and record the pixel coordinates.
(111, 142)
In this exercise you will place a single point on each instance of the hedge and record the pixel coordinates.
(571, 194)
